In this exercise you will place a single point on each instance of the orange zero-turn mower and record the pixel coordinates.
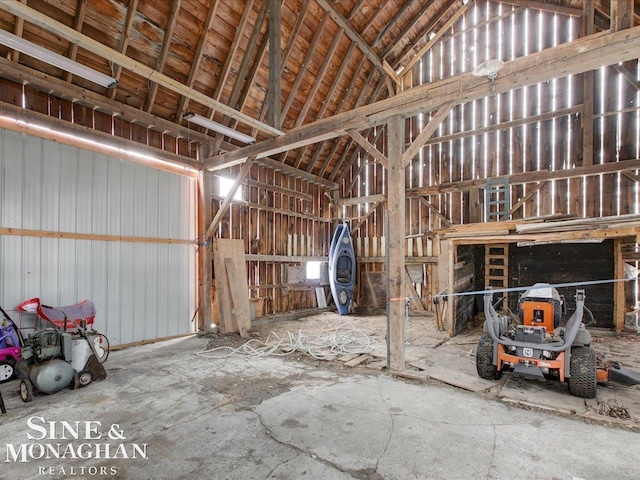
(540, 349)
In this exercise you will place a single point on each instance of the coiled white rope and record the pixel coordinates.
(344, 340)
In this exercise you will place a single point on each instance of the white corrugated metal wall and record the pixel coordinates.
(142, 290)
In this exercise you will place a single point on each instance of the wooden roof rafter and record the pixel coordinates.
(17, 30)
(124, 42)
(77, 25)
(425, 31)
(332, 89)
(357, 38)
(197, 59)
(341, 107)
(233, 50)
(338, 141)
(304, 66)
(164, 53)
(405, 30)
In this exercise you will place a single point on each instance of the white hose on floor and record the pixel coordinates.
(343, 341)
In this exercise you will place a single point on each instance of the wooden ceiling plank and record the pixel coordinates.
(77, 25)
(99, 49)
(425, 31)
(426, 133)
(354, 36)
(124, 42)
(164, 53)
(197, 58)
(400, 36)
(578, 56)
(438, 35)
(320, 75)
(302, 73)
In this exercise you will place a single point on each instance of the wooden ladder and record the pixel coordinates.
(496, 267)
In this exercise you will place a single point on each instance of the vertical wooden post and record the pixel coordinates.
(395, 236)
(619, 304)
(275, 60)
(621, 14)
(588, 19)
(205, 267)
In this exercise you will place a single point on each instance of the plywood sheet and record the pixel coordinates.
(231, 286)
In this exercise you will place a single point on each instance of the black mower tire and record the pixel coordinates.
(582, 367)
(7, 370)
(484, 359)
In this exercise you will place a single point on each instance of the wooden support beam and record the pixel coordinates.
(343, 23)
(436, 212)
(17, 31)
(396, 245)
(530, 194)
(426, 133)
(581, 55)
(274, 94)
(621, 15)
(68, 33)
(364, 218)
(370, 149)
(44, 126)
(529, 177)
(205, 252)
(244, 171)
(164, 53)
(22, 232)
(124, 42)
(346, 202)
(588, 19)
(433, 40)
(619, 304)
(547, 7)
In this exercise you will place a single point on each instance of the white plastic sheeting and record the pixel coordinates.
(142, 291)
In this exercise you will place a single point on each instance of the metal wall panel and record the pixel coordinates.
(142, 291)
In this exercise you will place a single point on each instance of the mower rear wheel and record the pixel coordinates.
(7, 370)
(582, 368)
(26, 391)
(484, 359)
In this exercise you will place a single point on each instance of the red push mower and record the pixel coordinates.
(538, 348)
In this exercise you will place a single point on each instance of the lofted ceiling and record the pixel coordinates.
(211, 57)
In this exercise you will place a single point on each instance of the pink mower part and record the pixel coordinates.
(84, 310)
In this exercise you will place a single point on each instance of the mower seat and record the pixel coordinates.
(66, 318)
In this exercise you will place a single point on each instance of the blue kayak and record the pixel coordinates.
(342, 268)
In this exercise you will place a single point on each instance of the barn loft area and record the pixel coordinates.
(207, 172)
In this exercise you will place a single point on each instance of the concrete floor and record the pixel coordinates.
(292, 418)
